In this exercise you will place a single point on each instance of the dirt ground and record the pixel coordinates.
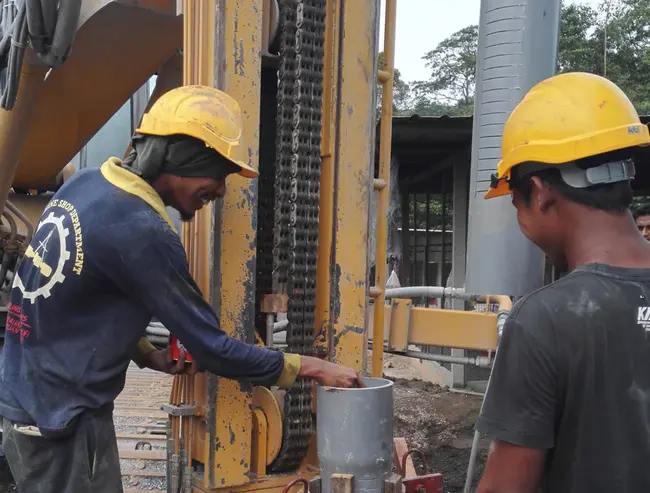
(436, 421)
(433, 419)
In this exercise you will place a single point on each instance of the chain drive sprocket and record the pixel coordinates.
(297, 189)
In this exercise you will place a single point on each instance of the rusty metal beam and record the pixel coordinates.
(238, 68)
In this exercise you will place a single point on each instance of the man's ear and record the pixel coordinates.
(543, 197)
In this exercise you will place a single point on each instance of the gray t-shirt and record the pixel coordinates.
(572, 376)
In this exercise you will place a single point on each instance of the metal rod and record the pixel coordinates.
(385, 137)
(328, 164)
(426, 243)
(472, 463)
(414, 250)
(405, 271)
(23, 218)
(443, 243)
(480, 361)
(270, 319)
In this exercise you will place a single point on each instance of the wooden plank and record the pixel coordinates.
(135, 490)
(400, 448)
(393, 484)
(139, 414)
(341, 483)
(140, 436)
(147, 409)
(143, 454)
(145, 473)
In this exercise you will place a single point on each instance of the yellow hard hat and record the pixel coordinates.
(204, 113)
(566, 118)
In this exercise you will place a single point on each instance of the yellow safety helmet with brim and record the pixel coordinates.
(204, 113)
(567, 118)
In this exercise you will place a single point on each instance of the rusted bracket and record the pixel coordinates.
(274, 303)
(182, 410)
(400, 323)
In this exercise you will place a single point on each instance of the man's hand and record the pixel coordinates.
(329, 374)
(161, 360)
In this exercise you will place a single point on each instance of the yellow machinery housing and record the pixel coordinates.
(223, 435)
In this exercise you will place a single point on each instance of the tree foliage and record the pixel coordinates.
(613, 41)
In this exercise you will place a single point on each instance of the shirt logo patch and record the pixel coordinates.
(49, 253)
(643, 317)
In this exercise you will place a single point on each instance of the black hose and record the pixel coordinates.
(64, 33)
(50, 31)
(15, 62)
(36, 26)
(48, 10)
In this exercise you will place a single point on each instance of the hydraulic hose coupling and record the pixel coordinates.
(502, 316)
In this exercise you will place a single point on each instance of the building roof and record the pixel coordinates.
(428, 147)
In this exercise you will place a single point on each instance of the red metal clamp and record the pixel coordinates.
(427, 483)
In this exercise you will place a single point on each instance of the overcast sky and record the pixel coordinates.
(422, 24)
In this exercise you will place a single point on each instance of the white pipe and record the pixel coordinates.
(428, 292)
(155, 331)
(157, 339)
(159, 330)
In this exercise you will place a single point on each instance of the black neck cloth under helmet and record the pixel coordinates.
(178, 155)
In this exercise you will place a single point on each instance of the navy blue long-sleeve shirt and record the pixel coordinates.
(104, 260)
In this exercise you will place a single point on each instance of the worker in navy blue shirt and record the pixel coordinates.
(103, 261)
(568, 401)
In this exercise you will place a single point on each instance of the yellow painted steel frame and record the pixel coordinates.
(355, 133)
(228, 437)
(405, 324)
(382, 185)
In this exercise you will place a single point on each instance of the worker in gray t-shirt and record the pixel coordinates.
(568, 402)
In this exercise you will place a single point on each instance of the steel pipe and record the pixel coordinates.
(25, 220)
(480, 361)
(157, 339)
(355, 434)
(429, 292)
(157, 329)
(269, 329)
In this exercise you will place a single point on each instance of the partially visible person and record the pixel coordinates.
(642, 218)
(104, 260)
(568, 401)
